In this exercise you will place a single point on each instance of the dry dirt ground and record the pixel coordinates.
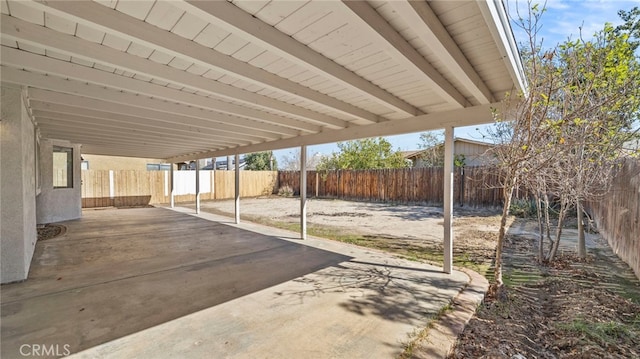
(570, 309)
(413, 231)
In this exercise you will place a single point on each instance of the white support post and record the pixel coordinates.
(228, 163)
(448, 200)
(172, 200)
(237, 174)
(197, 186)
(213, 178)
(166, 183)
(303, 192)
(112, 188)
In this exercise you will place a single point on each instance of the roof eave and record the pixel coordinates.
(497, 20)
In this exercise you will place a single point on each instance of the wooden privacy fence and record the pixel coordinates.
(617, 214)
(120, 188)
(473, 186)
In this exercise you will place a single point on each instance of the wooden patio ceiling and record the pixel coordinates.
(181, 80)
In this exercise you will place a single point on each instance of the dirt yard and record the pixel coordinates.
(570, 309)
(413, 231)
(404, 221)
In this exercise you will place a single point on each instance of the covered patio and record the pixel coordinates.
(186, 80)
(154, 282)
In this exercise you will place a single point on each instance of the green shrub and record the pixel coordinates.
(523, 208)
(285, 191)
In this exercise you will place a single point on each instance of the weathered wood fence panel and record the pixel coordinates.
(476, 186)
(123, 188)
(258, 183)
(618, 214)
(96, 193)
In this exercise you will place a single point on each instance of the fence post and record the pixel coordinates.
(461, 186)
(338, 184)
(166, 184)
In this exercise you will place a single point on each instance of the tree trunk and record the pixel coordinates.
(547, 220)
(540, 228)
(556, 243)
(582, 245)
(508, 192)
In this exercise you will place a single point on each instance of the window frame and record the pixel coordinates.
(69, 166)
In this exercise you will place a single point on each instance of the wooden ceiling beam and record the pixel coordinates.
(54, 100)
(52, 117)
(473, 115)
(428, 27)
(237, 21)
(138, 31)
(143, 106)
(403, 51)
(74, 46)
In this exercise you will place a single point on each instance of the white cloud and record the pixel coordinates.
(558, 5)
(564, 18)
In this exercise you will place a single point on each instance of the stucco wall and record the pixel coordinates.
(58, 204)
(18, 234)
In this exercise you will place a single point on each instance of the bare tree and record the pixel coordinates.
(564, 137)
(520, 133)
(291, 161)
(433, 150)
(595, 110)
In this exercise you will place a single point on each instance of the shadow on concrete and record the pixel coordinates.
(397, 298)
(117, 272)
(386, 265)
(394, 293)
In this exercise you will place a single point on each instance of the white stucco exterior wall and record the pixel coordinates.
(18, 234)
(58, 204)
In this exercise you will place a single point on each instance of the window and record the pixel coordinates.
(158, 166)
(62, 167)
(84, 165)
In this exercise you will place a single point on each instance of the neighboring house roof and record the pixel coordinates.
(475, 142)
(222, 164)
(410, 155)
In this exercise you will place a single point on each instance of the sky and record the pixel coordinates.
(562, 19)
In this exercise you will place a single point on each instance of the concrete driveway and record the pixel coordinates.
(160, 283)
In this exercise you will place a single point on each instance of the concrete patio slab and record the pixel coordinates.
(159, 283)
